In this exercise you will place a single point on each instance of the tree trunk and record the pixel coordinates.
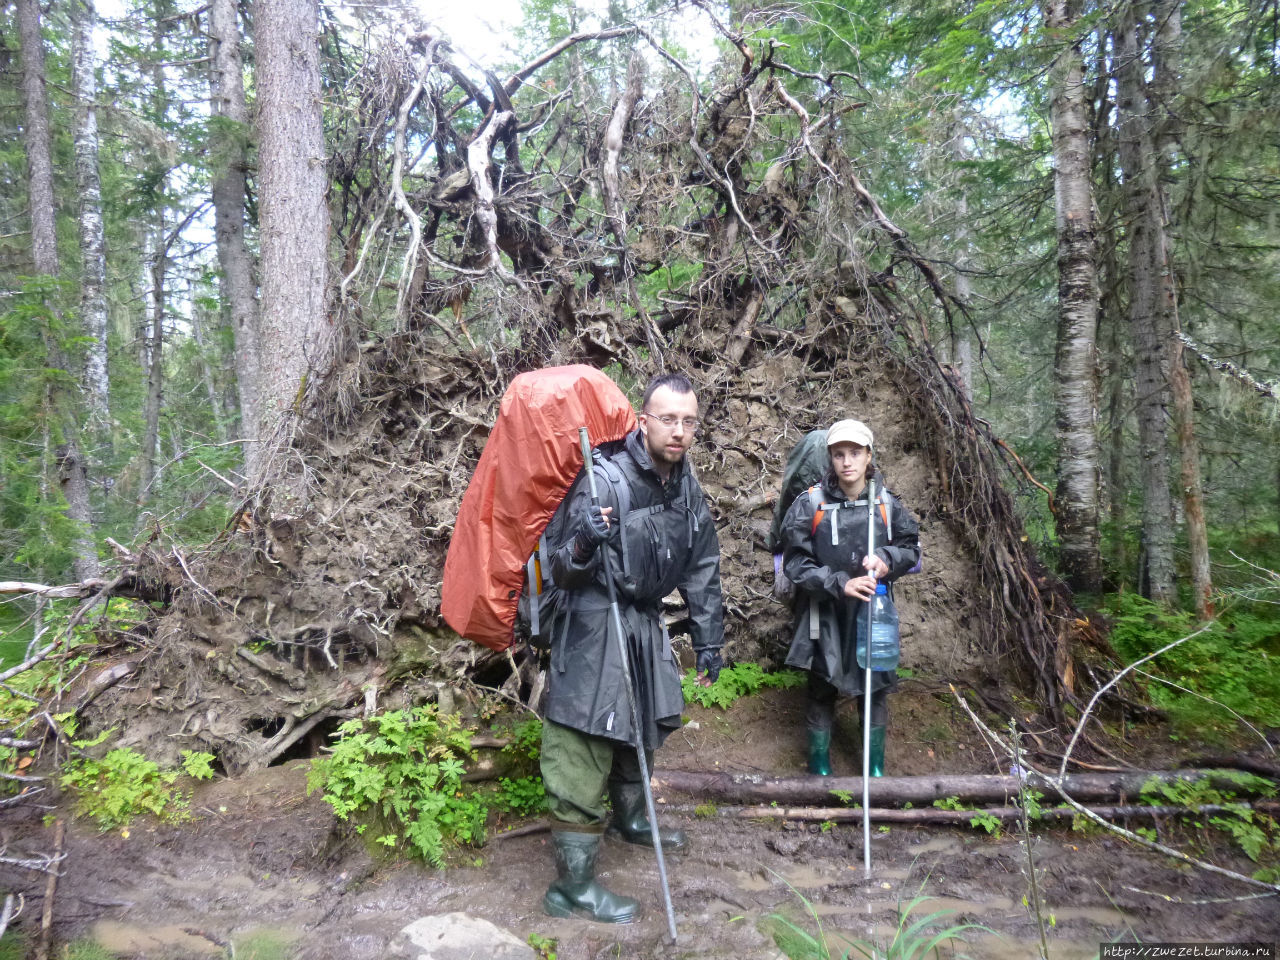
(73, 478)
(970, 788)
(228, 160)
(199, 318)
(1166, 81)
(93, 301)
(44, 242)
(294, 220)
(1150, 338)
(154, 338)
(1075, 369)
(961, 341)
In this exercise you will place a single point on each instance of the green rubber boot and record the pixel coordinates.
(820, 752)
(877, 751)
(575, 890)
(632, 822)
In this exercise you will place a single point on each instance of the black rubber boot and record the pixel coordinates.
(877, 752)
(820, 752)
(632, 822)
(575, 890)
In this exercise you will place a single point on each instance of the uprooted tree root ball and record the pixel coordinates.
(723, 232)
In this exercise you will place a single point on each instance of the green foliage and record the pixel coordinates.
(526, 740)
(1256, 834)
(1233, 664)
(198, 765)
(543, 947)
(87, 949)
(915, 937)
(523, 796)
(264, 944)
(737, 681)
(979, 820)
(120, 786)
(402, 771)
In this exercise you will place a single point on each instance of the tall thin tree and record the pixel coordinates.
(72, 473)
(1145, 234)
(93, 300)
(229, 134)
(1075, 369)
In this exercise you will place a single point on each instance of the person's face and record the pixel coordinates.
(669, 423)
(850, 461)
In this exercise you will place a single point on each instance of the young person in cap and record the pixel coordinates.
(824, 540)
(667, 542)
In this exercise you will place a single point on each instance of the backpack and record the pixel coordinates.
(543, 603)
(806, 463)
(529, 462)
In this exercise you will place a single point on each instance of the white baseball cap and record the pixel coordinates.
(850, 431)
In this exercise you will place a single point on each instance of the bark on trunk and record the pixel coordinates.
(44, 242)
(961, 341)
(1166, 80)
(93, 301)
(198, 319)
(293, 216)
(882, 815)
(228, 151)
(975, 788)
(72, 475)
(1150, 337)
(154, 338)
(1075, 370)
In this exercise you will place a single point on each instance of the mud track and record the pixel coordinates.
(265, 871)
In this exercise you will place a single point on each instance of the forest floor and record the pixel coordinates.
(265, 871)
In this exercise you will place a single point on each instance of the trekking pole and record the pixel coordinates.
(866, 697)
(615, 619)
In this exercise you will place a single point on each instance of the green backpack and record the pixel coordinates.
(806, 464)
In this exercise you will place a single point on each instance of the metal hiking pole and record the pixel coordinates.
(866, 695)
(615, 619)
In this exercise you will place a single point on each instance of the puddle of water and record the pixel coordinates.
(163, 941)
(798, 875)
(949, 845)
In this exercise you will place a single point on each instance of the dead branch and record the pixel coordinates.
(933, 815)
(50, 888)
(974, 788)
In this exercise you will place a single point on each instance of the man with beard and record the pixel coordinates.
(653, 520)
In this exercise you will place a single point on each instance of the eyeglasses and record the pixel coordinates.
(668, 421)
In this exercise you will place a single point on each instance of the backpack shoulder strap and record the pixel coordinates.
(815, 498)
(616, 478)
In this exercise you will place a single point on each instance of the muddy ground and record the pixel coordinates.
(265, 871)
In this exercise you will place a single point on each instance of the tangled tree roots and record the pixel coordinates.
(722, 231)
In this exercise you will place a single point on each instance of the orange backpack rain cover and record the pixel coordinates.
(528, 464)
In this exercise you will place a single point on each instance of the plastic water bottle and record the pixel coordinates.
(884, 633)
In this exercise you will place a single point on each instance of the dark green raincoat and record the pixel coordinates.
(670, 544)
(826, 621)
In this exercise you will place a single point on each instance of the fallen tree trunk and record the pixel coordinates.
(933, 815)
(895, 791)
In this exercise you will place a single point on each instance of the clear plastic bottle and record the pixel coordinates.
(884, 633)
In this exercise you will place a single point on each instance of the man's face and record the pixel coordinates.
(669, 423)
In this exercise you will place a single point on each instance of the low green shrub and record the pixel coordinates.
(402, 772)
(1235, 664)
(122, 785)
(740, 680)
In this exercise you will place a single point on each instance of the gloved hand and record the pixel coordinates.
(593, 530)
(710, 662)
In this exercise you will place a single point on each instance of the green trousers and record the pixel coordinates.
(576, 769)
